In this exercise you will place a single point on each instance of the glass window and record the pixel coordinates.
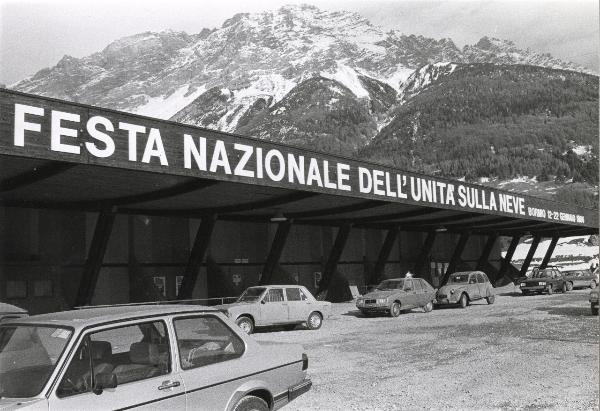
(28, 355)
(418, 287)
(480, 278)
(408, 285)
(251, 294)
(303, 296)
(206, 340)
(131, 353)
(274, 295)
(391, 285)
(458, 278)
(293, 294)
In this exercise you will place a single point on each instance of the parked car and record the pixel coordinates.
(9, 312)
(396, 295)
(268, 305)
(579, 279)
(594, 301)
(542, 280)
(156, 357)
(464, 287)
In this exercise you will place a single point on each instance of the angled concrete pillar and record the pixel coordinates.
(384, 255)
(283, 230)
(530, 254)
(455, 259)
(201, 243)
(93, 263)
(508, 257)
(334, 256)
(487, 249)
(424, 254)
(550, 251)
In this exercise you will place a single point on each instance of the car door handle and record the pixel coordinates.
(169, 384)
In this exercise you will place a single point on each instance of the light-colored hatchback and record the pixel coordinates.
(173, 357)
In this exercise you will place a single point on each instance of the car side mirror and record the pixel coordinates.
(104, 380)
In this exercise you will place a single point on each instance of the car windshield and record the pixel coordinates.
(390, 285)
(539, 274)
(28, 355)
(459, 278)
(251, 294)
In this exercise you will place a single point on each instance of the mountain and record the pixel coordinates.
(333, 81)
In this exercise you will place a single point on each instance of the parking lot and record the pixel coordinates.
(535, 352)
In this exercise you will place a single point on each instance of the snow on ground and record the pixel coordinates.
(349, 78)
(571, 252)
(164, 107)
(581, 150)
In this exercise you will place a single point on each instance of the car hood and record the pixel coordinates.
(382, 293)
(224, 307)
(23, 403)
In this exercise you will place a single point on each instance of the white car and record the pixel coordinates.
(9, 312)
(267, 305)
(171, 357)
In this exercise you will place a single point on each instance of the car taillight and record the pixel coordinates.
(304, 362)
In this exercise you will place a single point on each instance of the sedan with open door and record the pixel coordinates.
(173, 357)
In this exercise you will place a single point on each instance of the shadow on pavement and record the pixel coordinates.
(568, 311)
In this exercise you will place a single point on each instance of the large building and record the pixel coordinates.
(103, 207)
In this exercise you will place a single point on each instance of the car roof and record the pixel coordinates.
(277, 286)
(403, 278)
(467, 272)
(103, 314)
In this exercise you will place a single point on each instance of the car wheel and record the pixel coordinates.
(569, 286)
(428, 307)
(491, 299)
(246, 324)
(314, 321)
(464, 301)
(550, 289)
(395, 310)
(594, 310)
(593, 284)
(564, 288)
(251, 403)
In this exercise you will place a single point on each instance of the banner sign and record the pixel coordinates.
(38, 127)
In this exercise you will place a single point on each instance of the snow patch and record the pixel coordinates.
(349, 78)
(165, 107)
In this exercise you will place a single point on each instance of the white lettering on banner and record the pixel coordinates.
(277, 164)
(154, 148)
(58, 131)
(365, 183)
(240, 169)
(109, 144)
(21, 125)
(190, 149)
(132, 130)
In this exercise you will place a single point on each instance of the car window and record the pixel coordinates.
(293, 294)
(408, 285)
(425, 284)
(480, 278)
(206, 340)
(303, 296)
(417, 285)
(131, 353)
(274, 295)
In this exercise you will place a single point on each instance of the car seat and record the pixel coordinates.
(145, 363)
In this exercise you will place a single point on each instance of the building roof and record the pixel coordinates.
(57, 154)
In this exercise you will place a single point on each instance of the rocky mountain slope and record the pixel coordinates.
(329, 80)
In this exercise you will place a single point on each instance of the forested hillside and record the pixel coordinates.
(485, 120)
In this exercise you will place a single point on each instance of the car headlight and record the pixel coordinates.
(381, 300)
(523, 284)
(542, 283)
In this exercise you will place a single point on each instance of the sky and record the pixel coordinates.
(35, 34)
